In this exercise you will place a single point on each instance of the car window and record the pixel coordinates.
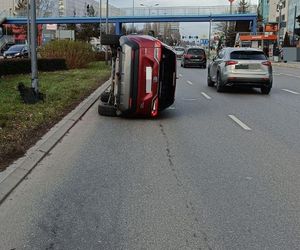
(196, 52)
(17, 48)
(248, 55)
(179, 49)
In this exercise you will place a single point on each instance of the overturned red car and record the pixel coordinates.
(143, 79)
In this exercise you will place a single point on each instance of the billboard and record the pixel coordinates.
(271, 27)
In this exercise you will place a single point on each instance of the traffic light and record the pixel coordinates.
(183, 37)
(196, 37)
(190, 37)
(298, 19)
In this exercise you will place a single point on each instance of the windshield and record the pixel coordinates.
(16, 48)
(196, 52)
(179, 49)
(248, 55)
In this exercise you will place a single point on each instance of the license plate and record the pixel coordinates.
(242, 66)
(9, 57)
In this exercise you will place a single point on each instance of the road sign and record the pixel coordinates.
(204, 42)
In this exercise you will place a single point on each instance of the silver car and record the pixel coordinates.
(240, 67)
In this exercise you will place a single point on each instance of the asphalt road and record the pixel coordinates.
(215, 171)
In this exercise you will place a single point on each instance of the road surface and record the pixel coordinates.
(215, 171)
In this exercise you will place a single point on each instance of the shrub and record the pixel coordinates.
(23, 66)
(77, 54)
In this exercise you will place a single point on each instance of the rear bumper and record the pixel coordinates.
(257, 80)
(193, 63)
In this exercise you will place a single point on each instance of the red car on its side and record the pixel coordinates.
(143, 77)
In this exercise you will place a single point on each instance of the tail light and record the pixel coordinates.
(154, 111)
(267, 63)
(227, 63)
(187, 56)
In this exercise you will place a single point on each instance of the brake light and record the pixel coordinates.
(187, 56)
(227, 63)
(267, 63)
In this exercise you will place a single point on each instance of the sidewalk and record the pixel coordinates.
(294, 65)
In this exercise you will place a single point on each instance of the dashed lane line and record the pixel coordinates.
(291, 91)
(180, 75)
(189, 82)
(206, 96)
(239, 122)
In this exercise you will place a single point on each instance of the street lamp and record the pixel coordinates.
(149, 6)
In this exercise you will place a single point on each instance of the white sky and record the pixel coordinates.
(199, 29)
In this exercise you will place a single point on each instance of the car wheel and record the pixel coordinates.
(219, 84)
(106, 109)
(265, 90)
(210, 83)
(184, 65)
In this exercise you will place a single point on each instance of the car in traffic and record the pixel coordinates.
(194, 57)
(16, 51)
(5, 47)
(179, 51)
(240, 67)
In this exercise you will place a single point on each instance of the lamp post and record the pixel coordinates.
(209, 37)
(132, 16)
(100, 22)
(33, 47)
(106, 30)
(149, 7)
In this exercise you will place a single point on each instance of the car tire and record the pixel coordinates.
(265, 90)
(210, 83)
(219, 84)
(105, 109)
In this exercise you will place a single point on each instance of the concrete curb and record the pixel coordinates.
(286, 65)
(17, 172)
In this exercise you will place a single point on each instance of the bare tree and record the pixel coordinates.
(44, 7)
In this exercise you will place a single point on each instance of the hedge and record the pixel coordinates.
(23, 66)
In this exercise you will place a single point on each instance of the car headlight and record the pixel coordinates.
(17, 54)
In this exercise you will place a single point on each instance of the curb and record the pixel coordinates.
(18, 171)
(286, 65)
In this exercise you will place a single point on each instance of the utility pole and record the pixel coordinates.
(106, 51)
(100, 23)
(28, 28)
(133, 16)
(209, 36)
(33, 47)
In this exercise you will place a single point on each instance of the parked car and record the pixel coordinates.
(194, 57)
(240, 66)
(6, 47)
(15, 51)
(179, 52)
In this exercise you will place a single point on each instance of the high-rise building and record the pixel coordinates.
(293, 5)
(263, 7)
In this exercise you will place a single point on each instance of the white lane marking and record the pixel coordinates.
(239, 122)
(189, 99)
(180, 75)
(206, 95)
(189, 82)
(290, 91)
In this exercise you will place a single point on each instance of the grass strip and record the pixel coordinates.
(23, 125)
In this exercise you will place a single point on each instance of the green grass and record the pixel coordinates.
(22, 125)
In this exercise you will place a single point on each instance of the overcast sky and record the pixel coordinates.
(199, 29)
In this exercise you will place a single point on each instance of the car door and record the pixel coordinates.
(214, 66)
